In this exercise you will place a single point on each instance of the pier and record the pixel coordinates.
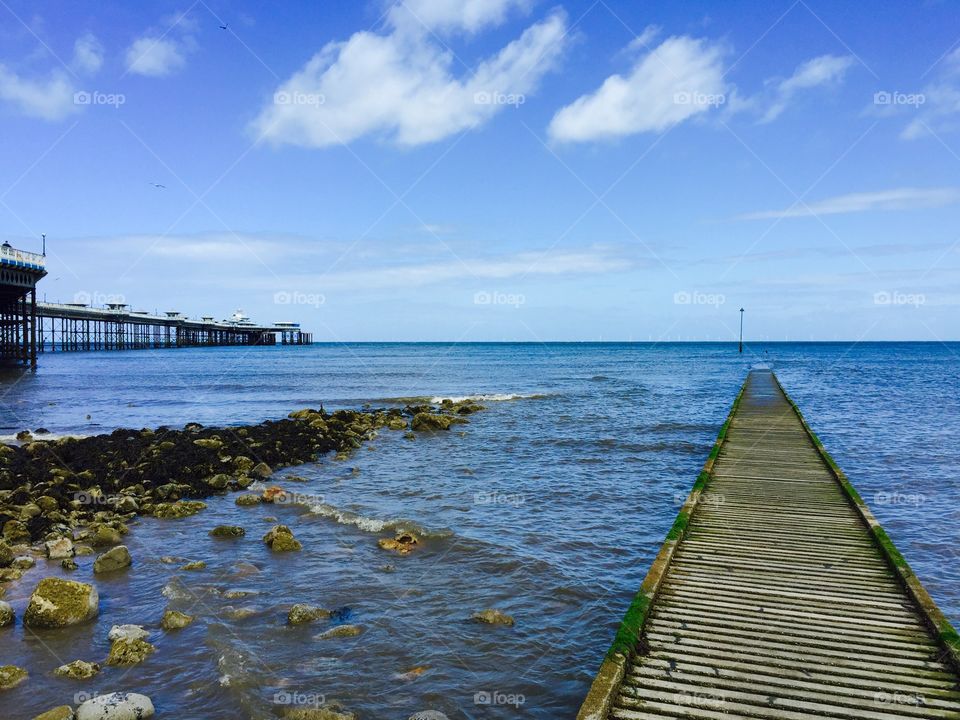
(19, 272)
(74, 327)
(777, 595)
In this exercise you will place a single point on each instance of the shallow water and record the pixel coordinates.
(550, 508)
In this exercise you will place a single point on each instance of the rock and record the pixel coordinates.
(174, 620)
(116, 558)
(69, 564)
(60, 548)
(6, 554)
(171, 559)
(7, 615)
(57, 603)
(227, 531)
(409, 436)
(78, 670)
(429, 715)
(23, 562)
(11, 676)
(116, 706)
(242, 613)
(281, 539)
(321, 713)
(261, 470)
(64, 712)
(403, 544)
(24, 435)
(195, 565)
(209, 443)
(104, 535)
(127, 632)
(397, 424)
(433, 422)
(492, 617)
(15, 531)
(237, 594)
(127, 504)
(219, 482)
(248, 499)
(412, 673)
(179, 509)
(340, 631)
(10, 573)
(273, 494)
(129, 652)
(303, 613)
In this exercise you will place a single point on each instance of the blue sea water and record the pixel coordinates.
(549, 506)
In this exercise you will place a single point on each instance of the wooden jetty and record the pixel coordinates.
(777, 595)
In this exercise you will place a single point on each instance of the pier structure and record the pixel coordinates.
(777, 595)
(76, 326)
(19, 272)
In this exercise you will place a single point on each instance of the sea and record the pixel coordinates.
(548, 506)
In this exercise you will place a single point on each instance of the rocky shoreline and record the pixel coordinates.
(64, 497)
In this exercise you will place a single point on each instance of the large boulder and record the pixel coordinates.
(116, 706)
(64, 712)
(78, 670)
(60, 548)
(116, 558)
(57, 603)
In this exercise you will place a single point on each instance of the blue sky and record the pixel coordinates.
(493, 169)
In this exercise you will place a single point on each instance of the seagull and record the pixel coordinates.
(224, 26)
(159, 186)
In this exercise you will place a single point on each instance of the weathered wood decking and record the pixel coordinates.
(777, 595)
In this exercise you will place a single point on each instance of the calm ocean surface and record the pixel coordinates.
(550, 508)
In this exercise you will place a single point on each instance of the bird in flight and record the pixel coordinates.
(159, 186)
(224, 26)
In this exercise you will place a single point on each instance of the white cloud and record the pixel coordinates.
(87, 54)
(401, 85)
(678, 80)
(898, 199)
(50, 98)
(818, 72)
(444, 15)
(155, 56)
(940, 106)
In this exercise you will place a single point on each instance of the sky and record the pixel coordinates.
(475, 170)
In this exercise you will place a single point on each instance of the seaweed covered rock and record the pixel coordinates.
(58, 603)
(175, 620)
(129, 651)
(78, 670)
(60, 548)
(492, 617)
(64, 712)
(11, 676)
(248, 500)
(179, 509)
(432, 422)
(228, 531)
(114, 559)
(331, 711)
(340, 631)
(7, 615)
(403, 544)
(280, 539)
(303, 613)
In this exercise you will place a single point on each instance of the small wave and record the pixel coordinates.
(376, 525)
(491, 397)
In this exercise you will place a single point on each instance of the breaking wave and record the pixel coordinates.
(376, 525)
